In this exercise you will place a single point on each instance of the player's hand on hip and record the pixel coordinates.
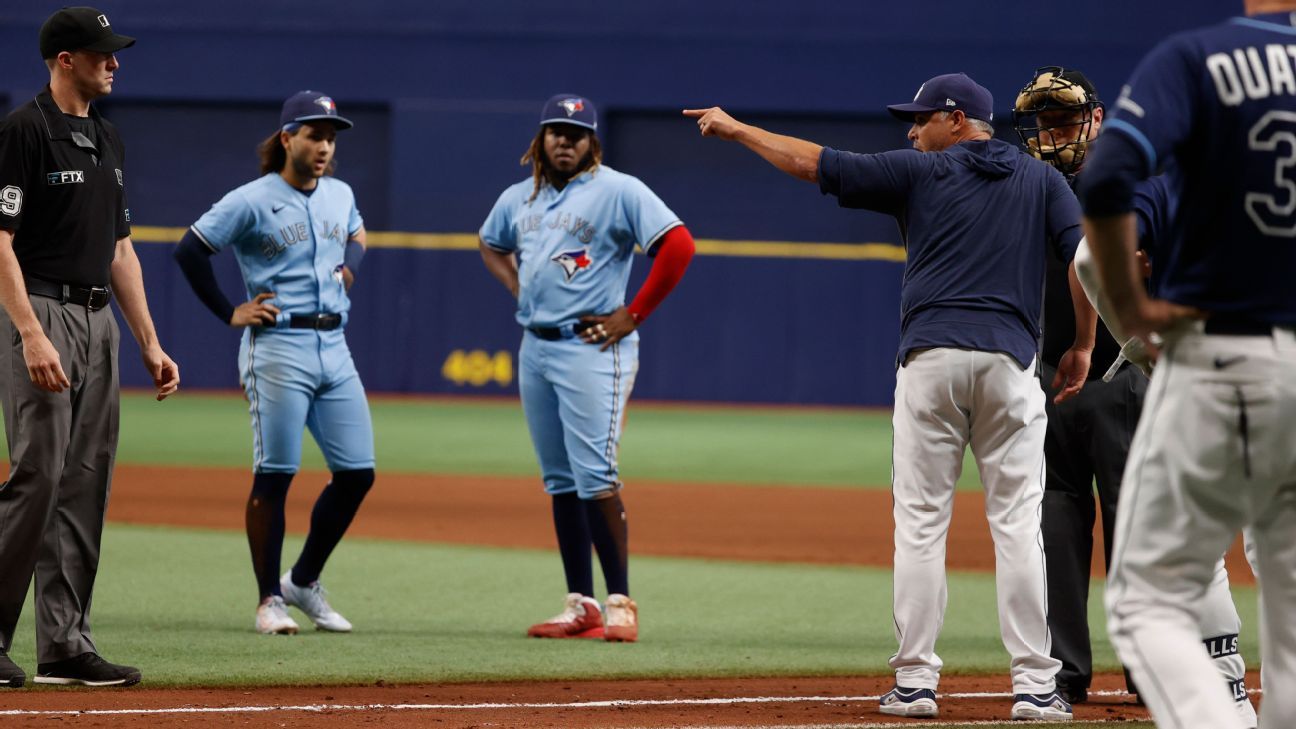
(714, 122)
(1072, 371)
(608, 330)
(1148, 317)
(43, 363)
(164, 371)
(255, 312)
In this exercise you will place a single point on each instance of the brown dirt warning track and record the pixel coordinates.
(832, 526)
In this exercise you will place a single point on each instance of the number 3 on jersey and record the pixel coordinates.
(1271, 217)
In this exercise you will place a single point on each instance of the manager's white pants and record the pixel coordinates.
(1214, 452)
(947, 399)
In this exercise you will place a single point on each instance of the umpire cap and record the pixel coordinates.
(80, 28)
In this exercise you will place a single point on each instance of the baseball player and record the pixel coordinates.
(299, 240)
(1057, 115)
(561, 241)
(65, 252)
(970, 301)
(1215, 450)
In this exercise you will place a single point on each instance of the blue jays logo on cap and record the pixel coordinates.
(569, 109)
(305, 106)
(573, 262)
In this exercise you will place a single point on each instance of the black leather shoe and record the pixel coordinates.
(1074, 694)
(87, 669)
(11, 676)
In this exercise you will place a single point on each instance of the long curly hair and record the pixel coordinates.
(535, 157)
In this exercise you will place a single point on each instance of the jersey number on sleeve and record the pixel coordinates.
(11, 201)
(1271, 217)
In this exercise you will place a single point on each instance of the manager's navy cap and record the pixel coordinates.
(569, 109)
(305, 106)
(948, 92)
(80, 28)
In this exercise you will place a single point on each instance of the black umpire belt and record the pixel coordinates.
(555, 333)
(1232, 325)
(93, 298)
(323, 322)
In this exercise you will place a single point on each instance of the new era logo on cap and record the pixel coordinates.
(103, 21)
(951, 91)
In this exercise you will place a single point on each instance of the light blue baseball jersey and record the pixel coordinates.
(575, 245)
(287, 241)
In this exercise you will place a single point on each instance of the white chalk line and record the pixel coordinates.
(612, 703)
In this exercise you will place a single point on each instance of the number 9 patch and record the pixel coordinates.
(11, 201)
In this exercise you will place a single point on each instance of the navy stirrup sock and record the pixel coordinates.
(265, 528)
(574, 543)
(336, 507)
(611, 536)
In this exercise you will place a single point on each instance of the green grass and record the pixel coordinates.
(180, 604)
(781, 446)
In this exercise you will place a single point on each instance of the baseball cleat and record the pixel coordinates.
(11, 676)
(580, 618)
(87, 669)
(1041, 707)
(915, 703)
(310, 600)
(272, 617)
(622, 620)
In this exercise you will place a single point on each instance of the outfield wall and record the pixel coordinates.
(445, 97)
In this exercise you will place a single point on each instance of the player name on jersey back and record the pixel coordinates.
(1253, 72)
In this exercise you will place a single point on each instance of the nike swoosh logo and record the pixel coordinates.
(1222, 362)
(277, 208)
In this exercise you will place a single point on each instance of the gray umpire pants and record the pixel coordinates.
(61, 451)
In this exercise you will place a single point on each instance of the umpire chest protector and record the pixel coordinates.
(62, 193)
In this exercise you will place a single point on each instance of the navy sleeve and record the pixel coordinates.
(1062, 216)
(1150, 205)
(194, 258)
(1152, 117)
(879, 182)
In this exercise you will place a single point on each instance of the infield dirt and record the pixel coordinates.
(813, 525)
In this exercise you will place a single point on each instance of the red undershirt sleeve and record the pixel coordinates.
(674, 251)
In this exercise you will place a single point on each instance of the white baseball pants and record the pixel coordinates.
(946, 400)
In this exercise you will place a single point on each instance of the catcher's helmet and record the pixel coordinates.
(1064, 144)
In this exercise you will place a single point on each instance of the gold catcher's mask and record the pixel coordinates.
(1067, 100)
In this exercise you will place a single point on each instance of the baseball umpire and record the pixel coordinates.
(65, 252)
(299, 240)
(969, 303)
(1058, 115)
(1215, 450)
(562, 242)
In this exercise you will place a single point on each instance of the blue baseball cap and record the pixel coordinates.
(569, 109)
(305, 106)
(948, 92)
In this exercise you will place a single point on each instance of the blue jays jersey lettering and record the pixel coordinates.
(575, 245)
(274, 229)
(1220, 103)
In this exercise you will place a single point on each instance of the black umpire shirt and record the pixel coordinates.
(61, 192)
(1059, 323)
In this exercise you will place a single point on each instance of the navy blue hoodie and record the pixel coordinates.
(975, 220)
